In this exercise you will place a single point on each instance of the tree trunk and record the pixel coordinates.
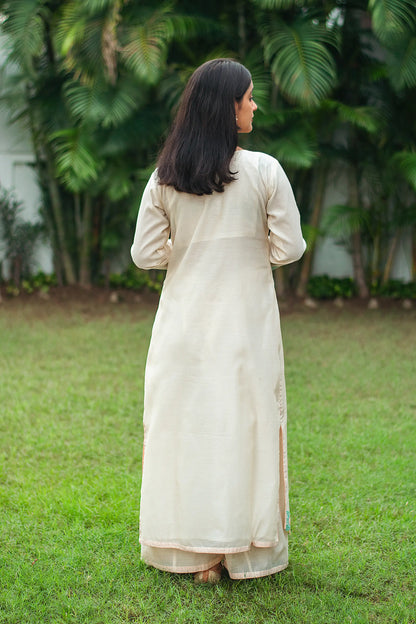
(56, 203)
(319, 190)
(85, 247)
(279, 282)
(356, 244)
(43, 155)
(375, 260)
(390, 256)
(357, 260)
(16, 263)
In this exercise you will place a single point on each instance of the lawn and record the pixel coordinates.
(71, 395)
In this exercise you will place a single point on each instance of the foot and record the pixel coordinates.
(211, 576)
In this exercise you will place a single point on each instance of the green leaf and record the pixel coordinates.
(365, 117)
(301, 63)
(261, 78)
(392, 17)
(294, 149)
(406, 164)
(78, 38)
(120, 185)
(310, 234)
(102, 103)
(25, 25)
(282, 4)
(71, 27)
(145, 55)
(342, 220)
(76, 164)
(96, 6)
(146, 50)
(401, 62)
(145, 44)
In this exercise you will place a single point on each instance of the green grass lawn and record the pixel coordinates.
(71, 392)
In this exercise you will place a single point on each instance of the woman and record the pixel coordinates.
(215, 481)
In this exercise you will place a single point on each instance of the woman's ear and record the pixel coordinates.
(236, 106)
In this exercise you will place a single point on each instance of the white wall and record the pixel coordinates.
(17, 174)
(332, 258)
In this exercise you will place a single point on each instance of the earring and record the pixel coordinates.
(236, 118)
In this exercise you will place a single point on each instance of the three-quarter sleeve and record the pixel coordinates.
(286, 243)
(151, 247)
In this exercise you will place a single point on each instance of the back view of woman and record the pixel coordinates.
(215, 479)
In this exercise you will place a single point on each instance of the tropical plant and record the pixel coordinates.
(20, 237)
(87, 90)
(326, 287)
(96, 82)
(374, 125)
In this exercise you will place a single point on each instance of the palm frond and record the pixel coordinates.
(120, 183)
(261, 78)
(96, 6)
(364, 117)
(294, 149)
(76, 165)
(341, 220)
(145, 44)
(273, 119)
(70, 28)
(391, 18)
(78, 39)
(25, 25)
(279, 4)
(401, 62)
(406, 165)
(145, 55)
(301, 63)
(172, 84)
(145, 52)
(101, 103)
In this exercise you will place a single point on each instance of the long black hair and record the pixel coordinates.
(197, 153)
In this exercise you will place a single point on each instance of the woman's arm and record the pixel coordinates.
(151, 247)
(286, 242)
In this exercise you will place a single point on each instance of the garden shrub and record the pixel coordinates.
(326, 287)
(138, 279)
(395, 289)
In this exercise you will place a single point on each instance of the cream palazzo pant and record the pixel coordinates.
(251, 563)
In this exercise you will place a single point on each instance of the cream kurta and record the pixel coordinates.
(215, 466)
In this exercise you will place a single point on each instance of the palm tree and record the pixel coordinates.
(97, 79)
(372, 122)
(96, 65)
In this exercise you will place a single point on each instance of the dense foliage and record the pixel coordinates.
(19, 236)
(96, 82)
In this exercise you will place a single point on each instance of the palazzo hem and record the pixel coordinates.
(182, 569)
(200, 568)
(210, 550)
(248, 575)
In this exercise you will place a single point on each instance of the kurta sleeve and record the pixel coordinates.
(286, 242)
(151, 245)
